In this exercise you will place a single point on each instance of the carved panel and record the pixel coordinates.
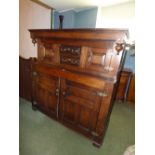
(96, 58)
(70, 50)
(102, 59)
(51, 53)
(72, 61)
(70, 55)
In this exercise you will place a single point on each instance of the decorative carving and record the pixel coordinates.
(70, 61)
(34, 41)
(48, 52)
(70, 49)
(70, 55)
(119, 47)
(90, 55)
(96, 57)
(109, 55)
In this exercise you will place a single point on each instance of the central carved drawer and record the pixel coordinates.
(70, 55)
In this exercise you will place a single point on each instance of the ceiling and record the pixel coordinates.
(77, 5)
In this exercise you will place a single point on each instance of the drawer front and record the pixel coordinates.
(70, 55)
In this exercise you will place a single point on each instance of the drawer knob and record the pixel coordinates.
(63, 69)
(65, 94)
(34, 73)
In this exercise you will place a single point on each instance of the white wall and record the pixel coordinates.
(117, 16)
(31, 16)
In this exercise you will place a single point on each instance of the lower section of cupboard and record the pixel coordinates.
(79, 107)
(92, 136)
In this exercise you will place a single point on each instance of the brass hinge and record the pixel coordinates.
(57, 92)
(101, 94)
(94, 134)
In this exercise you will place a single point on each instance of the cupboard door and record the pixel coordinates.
(46, 92)
(79, 106)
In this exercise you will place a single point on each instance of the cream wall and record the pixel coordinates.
(117, 16)
(32, 16)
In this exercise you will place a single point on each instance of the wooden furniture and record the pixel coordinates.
(131, 92)
(25, 78)
(75, 76)
(124, 85)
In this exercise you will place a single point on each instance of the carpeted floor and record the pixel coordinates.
(40, 135)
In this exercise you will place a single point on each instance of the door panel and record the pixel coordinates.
(69, 112)
(79, 105)
(45, 92)
(84, 121)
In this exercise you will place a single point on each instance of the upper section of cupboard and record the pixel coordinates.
(99, 52)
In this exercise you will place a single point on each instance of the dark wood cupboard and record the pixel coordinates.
(75, 76)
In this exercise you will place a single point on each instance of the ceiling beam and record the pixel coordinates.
(42, 4)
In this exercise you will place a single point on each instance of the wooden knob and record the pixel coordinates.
(63, 93)
(34, 73)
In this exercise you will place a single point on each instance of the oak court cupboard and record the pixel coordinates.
(74, 77)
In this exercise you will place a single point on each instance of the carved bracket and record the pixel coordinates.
(119, 47)
(34, 41)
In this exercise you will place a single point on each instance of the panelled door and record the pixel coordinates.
(79, 106)
(46, 92)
